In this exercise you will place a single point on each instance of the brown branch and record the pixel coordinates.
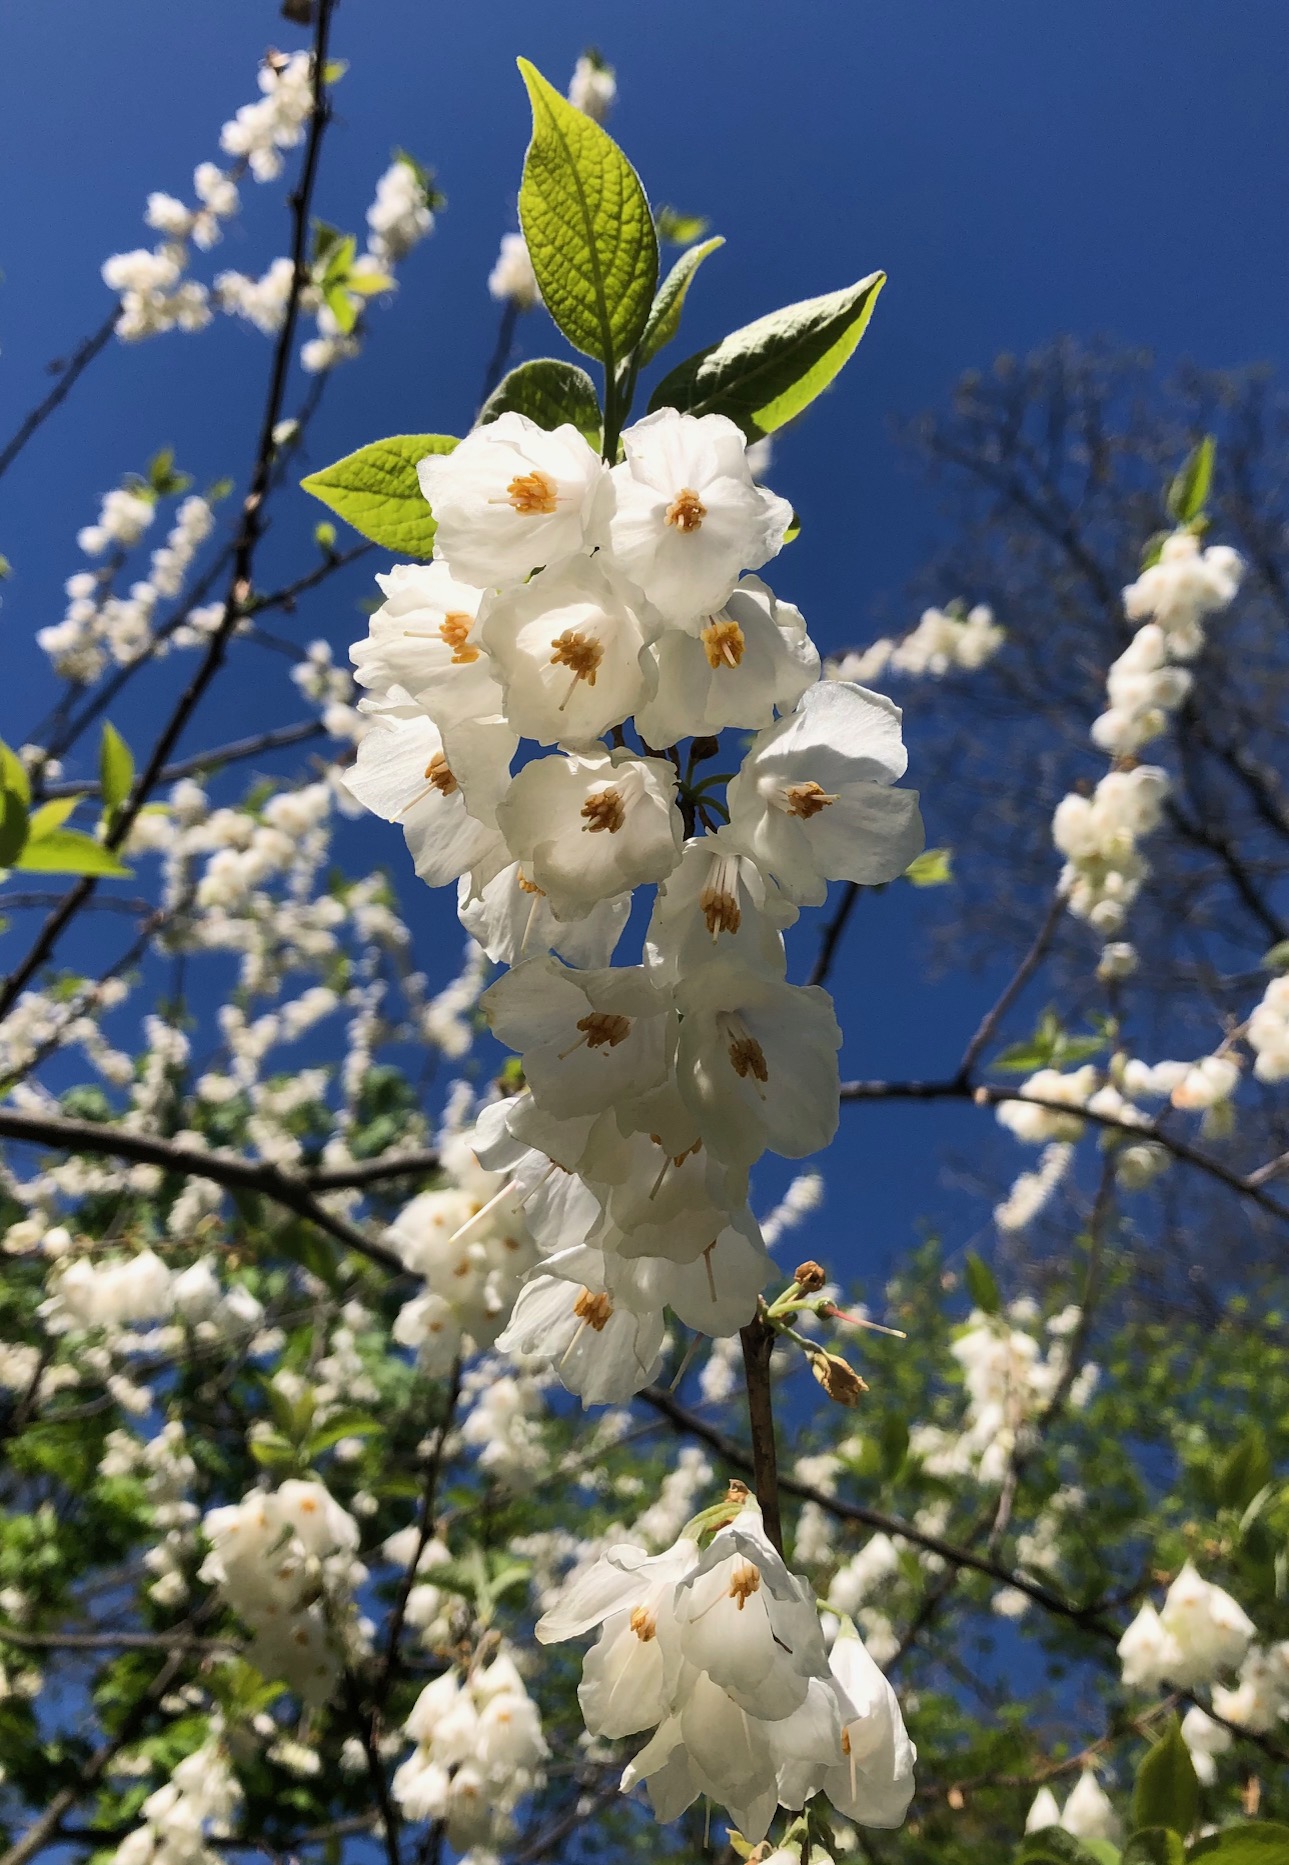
(832, 933)
(274, 740)
(424, 1530)
(985, 1094)
(178, 1640)
(372, 1171)
(227, 1169)
(1011, 991)
(68, 376)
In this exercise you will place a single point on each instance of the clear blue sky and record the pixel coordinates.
(1018, 169)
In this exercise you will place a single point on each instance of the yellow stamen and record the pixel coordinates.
(686, 510)
(594, 1310)
(580, 652)
(533, 495)
(748, 1058)
(644, 1624)
(806, 800)
(724, 642)
(453, 629)
(604, 809)
(744, 1582)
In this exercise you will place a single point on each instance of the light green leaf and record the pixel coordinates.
(1188, 494)
(341, 307)
(348, 1425)
(1154, 1845)
(767, 372)
(664, 314)
(1260, 1842)
(51, 816)
(588, 228)
(339, 256)
(368, 284)
(1166, 1790)
(67, 851)
(549, 393)
(13, 826)
(1277, 959)
(1244, 1471)
(115, 768)
(678, 229)
(13, 773)
(376, 491)
(981, 1284)
(932, 868)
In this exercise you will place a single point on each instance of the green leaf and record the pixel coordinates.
(1260, 1842)
(894, 1444)
(1245, 1470)
(1277, 959)
(13, 773)
(310, 1249)
(1052, 1845)
(932, 868)
(377, 492)
(51, 816)
(337, 250)
(13, 826)
(550, 393)
(341, 307)
(981, 1285)
(1154, 1845)
(368, 284)
(1188, 493)
(678, 229)
(767, 372)
(664, 314)
(347, 1425)
(1166, 1790)
(115, 768)
(270, 1449)
(587, 224)
(67, 851)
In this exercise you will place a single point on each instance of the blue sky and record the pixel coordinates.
(1019, 170)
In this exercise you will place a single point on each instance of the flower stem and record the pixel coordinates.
(758, 1344)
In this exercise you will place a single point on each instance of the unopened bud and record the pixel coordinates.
(956, 1799)
(701, 748)
(737, 1492)
(809, 1277)
(838, 1379)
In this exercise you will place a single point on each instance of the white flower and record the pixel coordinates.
(1205, 1739)
(1088, 1813)
(716, 902)
(592, 87)
(424, 638)
(402, 773)
(1182, 588)
(588, 1038)
(567, 649)
(588, 828)
(1045, 1811)
(1210, 1632)
(872, 1780)
(513, 498)
(1147, 1652)
(750, 659)
(511, 918)
(602, 1349)
(814, 800)
(687, 515)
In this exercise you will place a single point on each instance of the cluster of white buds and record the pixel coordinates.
(719, 1651)
(196, 1804)
(400, 217)
(652, 1088)
(260, 131)
(1260, 1696)
(479, 1751)
(1009, 1378)
(1098, 834)
(1267, 1032)
(469, 1243)
(1199, 1634)
(284, 1562)
(944, 639)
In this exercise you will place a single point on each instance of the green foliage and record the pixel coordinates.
(664, 313)
(550, 393)
(67, 851)
(1051, 1046)
(164, 479)
(1188, 494)
(1261, 1842)
(1154, 1845)
(932, 868)
(1052, 1845)
(981, 1284)
(588, 227)
(115, 769)
(1166, 1790)
(678, 229)
(769, 371)
(377, 492)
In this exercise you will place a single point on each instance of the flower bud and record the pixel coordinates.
(809, 1277)
(838, 1379)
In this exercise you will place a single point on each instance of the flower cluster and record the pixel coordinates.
(719, 1652)
(652, 1088)
(479, 1752)
(944, 639)
(1267, 1032)
(1098, 834)
(281, 1558)
(1199, 1634)
(196, 1803)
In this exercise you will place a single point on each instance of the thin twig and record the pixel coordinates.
(68, 376)
(758, 1339)
(831, 936)
(275, 740)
